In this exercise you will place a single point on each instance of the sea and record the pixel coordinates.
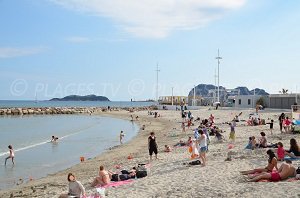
(79, 136)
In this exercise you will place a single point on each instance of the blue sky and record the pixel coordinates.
(54, 48)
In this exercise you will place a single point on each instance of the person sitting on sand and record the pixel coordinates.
(280, 151)
(285, 171)
(294, 151)
(249, 145)
(76, 189)
(182, 143)
(167, 149)
(103, 178)
(253, 142)
(219, 136)
(262, 141)
(272, 163)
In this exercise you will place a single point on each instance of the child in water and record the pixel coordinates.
(11, 154)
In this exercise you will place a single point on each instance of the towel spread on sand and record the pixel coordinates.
(116, 184)
(292, 159)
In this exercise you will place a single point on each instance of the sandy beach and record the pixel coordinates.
(169, 176)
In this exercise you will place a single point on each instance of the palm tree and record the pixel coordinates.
(284, 91)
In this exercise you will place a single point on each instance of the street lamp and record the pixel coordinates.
(218, 58)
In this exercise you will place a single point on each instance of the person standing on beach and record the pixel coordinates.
(11, 154)
(280, 119)
(152, 145)
(121, 137)
(232, 132)
(203, 147)
(271, 126)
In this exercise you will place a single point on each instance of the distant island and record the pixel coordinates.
(81, 98)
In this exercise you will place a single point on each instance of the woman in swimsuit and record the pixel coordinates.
(294, 151)
(103, 178)
(272, 163)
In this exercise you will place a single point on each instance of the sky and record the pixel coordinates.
(54, 48)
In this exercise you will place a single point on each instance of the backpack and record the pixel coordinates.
(197, 162)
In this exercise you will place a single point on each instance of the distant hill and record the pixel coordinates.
(204, 90)
(81, 98)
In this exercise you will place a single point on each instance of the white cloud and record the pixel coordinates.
(11, 52)
(155, 18)
(78, 39)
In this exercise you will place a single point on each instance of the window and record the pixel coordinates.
(249, 101)
(240, 101)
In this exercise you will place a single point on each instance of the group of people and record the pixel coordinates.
(271, 171)
(285, 123)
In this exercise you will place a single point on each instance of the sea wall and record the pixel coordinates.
(64, 110)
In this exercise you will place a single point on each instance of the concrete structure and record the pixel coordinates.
(197, 102)
(177, 100)
(283, 101)
(248, 101)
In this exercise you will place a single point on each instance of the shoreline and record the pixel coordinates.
(58, 179)
(169, 177)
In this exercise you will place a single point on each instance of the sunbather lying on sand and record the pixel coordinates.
(124, 176)
(285, 171)
(272, 162)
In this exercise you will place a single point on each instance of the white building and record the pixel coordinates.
(248, 101)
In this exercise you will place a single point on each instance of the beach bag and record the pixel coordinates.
(141, 171)
(193, 163)
(190, 149)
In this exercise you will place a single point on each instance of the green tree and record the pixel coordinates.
(261, 101)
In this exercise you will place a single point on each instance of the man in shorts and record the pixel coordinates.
(285, 171)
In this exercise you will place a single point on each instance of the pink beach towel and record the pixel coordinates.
(116, 184)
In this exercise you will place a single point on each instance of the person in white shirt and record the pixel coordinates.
(202, 147)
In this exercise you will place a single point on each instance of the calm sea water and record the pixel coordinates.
(21, 103)
(35, 157)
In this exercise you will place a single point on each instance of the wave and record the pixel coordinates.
(72, 132)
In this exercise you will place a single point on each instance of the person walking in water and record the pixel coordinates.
(121, 137)
(11, 154)
(152, 145)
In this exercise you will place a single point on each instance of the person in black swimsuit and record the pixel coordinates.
(294, 151)
(152, 145)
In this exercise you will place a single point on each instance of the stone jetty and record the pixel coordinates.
(63, 110)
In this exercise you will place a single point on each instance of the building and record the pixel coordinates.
(197, 101)
(248, 101)
(177, 100)
(283, 101)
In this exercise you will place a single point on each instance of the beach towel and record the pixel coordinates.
(288, 180)
(291, 159)
(116, 184)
